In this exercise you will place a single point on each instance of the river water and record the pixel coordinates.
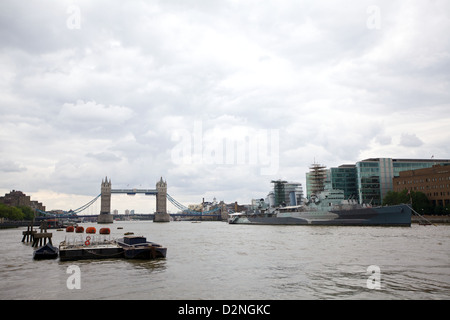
(214, 260)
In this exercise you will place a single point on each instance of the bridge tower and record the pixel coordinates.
(105, 210)
(161, 214)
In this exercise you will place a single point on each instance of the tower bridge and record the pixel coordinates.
(160, 214)
(161, 200)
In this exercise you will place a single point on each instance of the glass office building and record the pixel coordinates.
(369, 180)
(344, 178)
(287, 193)
(374, 176)
(293, 193)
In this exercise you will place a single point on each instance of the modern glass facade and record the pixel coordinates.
(279, 192)
(344, 178)
(293, 193)
(374, 176)
(369, 180)
(287, 193)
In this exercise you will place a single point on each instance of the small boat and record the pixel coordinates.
(136, 247)
(46, 252)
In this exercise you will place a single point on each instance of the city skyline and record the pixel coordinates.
(217, 98)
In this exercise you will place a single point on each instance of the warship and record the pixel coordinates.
(329, 208)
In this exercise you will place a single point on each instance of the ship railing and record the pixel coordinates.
(86, 240)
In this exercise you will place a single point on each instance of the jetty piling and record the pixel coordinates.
(29, 234)
(42, 237)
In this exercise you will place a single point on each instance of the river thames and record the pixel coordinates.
(218, 261)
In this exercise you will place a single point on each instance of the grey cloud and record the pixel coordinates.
(104, 157)
(410, 140)
(383, 139)
(8, 166)
(91, 113)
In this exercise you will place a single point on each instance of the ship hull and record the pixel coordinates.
(399, 215)
(95, 252)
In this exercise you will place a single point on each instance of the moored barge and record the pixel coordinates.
(92, 246)
(137, 247)
(89, 249)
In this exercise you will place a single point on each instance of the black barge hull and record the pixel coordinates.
(90, 253)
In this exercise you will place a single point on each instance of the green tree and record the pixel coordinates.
(418, 200)
(392, 198)
(28, 212)
(3, 210)
(11, 213)
(420, 203)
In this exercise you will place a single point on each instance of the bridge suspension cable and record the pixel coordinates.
(87, 205)
(76, 211)
(186, 209)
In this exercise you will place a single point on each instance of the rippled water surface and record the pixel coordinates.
(214, 260)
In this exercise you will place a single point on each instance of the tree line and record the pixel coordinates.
(419, 201)
(16, 213)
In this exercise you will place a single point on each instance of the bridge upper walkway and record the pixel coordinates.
(151, 192)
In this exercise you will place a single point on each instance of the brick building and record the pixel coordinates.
(434, 182)
(18, 198)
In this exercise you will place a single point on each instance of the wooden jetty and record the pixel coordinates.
(29, 234)
(40, 238)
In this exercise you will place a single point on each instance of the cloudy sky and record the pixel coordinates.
(217, 97)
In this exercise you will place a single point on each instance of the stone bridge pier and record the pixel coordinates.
(161, 214)
(105, 215)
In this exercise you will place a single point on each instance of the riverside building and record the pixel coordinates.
(375, 175)
(18, 198)
(344, 178)
(286, 193)
(434, 182)
(369, 180)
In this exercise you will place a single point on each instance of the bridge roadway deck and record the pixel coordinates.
(134, 191)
